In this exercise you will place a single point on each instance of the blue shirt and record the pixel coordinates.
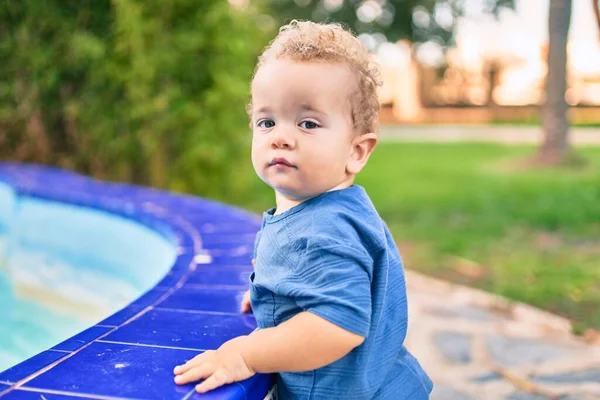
(333, 256)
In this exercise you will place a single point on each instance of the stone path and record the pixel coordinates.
(481, 133)
(478, 346)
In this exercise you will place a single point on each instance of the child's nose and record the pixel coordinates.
(282, 140)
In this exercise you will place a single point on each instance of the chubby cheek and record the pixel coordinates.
(328, 161)
(257, 157)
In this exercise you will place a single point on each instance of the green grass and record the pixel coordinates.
(469, 214)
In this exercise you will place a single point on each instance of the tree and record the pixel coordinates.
(144, 91)
(555, 147)
(392, 18)
(596, 7)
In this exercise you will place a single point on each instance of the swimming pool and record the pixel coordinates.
(140, 280)
(64, 268)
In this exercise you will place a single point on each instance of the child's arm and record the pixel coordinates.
(303, 343)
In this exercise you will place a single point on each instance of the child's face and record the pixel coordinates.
(302, 127)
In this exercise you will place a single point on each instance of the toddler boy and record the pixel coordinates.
(328, 289)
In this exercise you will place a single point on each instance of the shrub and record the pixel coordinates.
(147, 91)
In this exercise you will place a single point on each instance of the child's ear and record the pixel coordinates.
(362, 147)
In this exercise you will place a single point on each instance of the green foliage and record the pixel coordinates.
(146, 91)
(392, 18)
(399, 26)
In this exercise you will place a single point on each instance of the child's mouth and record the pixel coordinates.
(281, 163)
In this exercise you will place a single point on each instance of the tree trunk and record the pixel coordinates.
(554, 113)
(596, 6)
(493, 73)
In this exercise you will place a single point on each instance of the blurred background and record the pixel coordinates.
(488, 168)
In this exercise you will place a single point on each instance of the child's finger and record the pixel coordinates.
(212, 382)
(195, 374)
(245, 307)
(180, 369)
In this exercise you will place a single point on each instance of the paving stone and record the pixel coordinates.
(471, 313)
(488, 377)
(589, 375)
(525, 396)
(456, 347)
(512, 352)
(443, 392)
(528, 396)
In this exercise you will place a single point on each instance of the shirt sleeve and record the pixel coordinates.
(333, 281)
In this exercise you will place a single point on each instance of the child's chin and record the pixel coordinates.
(283, 185)
(289, 191)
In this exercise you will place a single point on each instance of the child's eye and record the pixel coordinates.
(266, 123)
(309, 125)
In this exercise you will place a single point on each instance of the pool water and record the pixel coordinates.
(28, 326)
(64, 268)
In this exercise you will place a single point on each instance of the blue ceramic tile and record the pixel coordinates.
(247, 266)
(232, 260)
(82, 338)
(183, 329)
(222, 395)
(110, 369)
(230, 250)
(225, 227)
(35, 395)
(220, 277)
(226, 241)
(148, 298)
(227, 251)
(182, 263)
(169, 280)
(216, 239)
(30, 366)
(121, 316)
(203, 299)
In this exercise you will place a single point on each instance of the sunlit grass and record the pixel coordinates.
(471, 213)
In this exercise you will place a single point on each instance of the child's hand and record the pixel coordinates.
(246, 305)
(217, 368)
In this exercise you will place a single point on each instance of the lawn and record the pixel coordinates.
(468, 213)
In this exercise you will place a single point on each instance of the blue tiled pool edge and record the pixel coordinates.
(195, 307)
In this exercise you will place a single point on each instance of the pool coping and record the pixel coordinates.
(144, 341)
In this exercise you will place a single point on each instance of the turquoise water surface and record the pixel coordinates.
(64, 268)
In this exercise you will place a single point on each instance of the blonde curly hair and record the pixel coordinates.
(330, 42)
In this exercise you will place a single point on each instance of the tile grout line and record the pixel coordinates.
(55, 363)
(190, 394)
(149, 345)
(74, 394)
(225, 267)
(214, 287)
(7, 390)
(184, 311)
